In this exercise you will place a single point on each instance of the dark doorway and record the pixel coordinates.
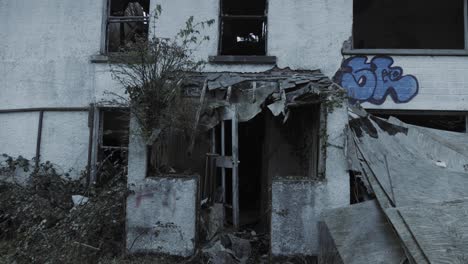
(251, 138)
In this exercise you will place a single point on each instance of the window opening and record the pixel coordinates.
(127, 21)
(243, 27)
(403, 24)
(455, 123)
(113, 142)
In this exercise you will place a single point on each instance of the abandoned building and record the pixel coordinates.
(320, 113)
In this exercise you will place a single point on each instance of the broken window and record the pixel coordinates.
(403, 24)
(127, 21)
(112, 141)
(243, 27)
(455, 123)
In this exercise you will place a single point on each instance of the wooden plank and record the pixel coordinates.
(328, 253)
(411, 246)
(362, 234)
(383, 197)
(224, 162)
(213, 158)
(235, 171)
(415, 177)
(95, 147)
(223, 152)
(440, 229)
(404, 166)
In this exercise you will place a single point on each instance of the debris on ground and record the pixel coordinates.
(41, 221)
(418, 176)
(227, 248)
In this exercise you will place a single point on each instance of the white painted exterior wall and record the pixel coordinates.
(46, 49)
(443, 83)
(45, 61)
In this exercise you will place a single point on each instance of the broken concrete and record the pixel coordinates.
(293, 229)
(226, 249)
(161, 211)
(161, 216)
(214, 222)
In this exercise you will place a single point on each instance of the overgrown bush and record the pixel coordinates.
(40, 223)
(152, 71)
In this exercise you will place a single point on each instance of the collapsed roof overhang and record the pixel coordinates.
(248, 94)
(419, 177)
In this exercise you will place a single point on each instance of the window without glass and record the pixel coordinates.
(113, 141)
(408, 24)
(243, 27)
(127, 21)
(455, 123)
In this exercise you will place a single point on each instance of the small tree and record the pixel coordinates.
(152, 71)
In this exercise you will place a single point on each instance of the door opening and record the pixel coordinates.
(244, 203)
(251, 138)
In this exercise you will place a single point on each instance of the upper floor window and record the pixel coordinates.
(127, 20)
(243, 27)
(409, 24)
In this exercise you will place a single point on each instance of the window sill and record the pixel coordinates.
(243, 59)
(406, 52)
(99, 59)
(114, 58)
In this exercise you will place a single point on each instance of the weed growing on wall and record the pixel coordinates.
(152, 72)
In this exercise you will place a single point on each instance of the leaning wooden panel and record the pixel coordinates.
(414, 252)
(362, 234)
(440, 229)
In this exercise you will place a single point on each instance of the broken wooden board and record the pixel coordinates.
(406, 175)
(412, 171)
(441, 230)
(362, 234)
(409, 244)
(413, 250)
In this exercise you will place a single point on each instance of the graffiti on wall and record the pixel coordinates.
(372, 81)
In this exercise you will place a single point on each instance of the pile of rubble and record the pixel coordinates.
(243, 247)
(419, 179)
(52, 219)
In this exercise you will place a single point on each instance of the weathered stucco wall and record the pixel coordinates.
(298, 204)
(294, 210)
(65, 139)
(18, 134)
(302, 34)
(420, 82)
(17, 138)
(44, 52)
(44, 62)
(161, 216)
(161, 211)
(46, 49)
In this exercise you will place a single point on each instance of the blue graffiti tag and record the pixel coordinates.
(373, 81)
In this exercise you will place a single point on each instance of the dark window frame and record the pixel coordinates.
(100, 152)
(348, 47)
(108, 19)
(248, 59)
